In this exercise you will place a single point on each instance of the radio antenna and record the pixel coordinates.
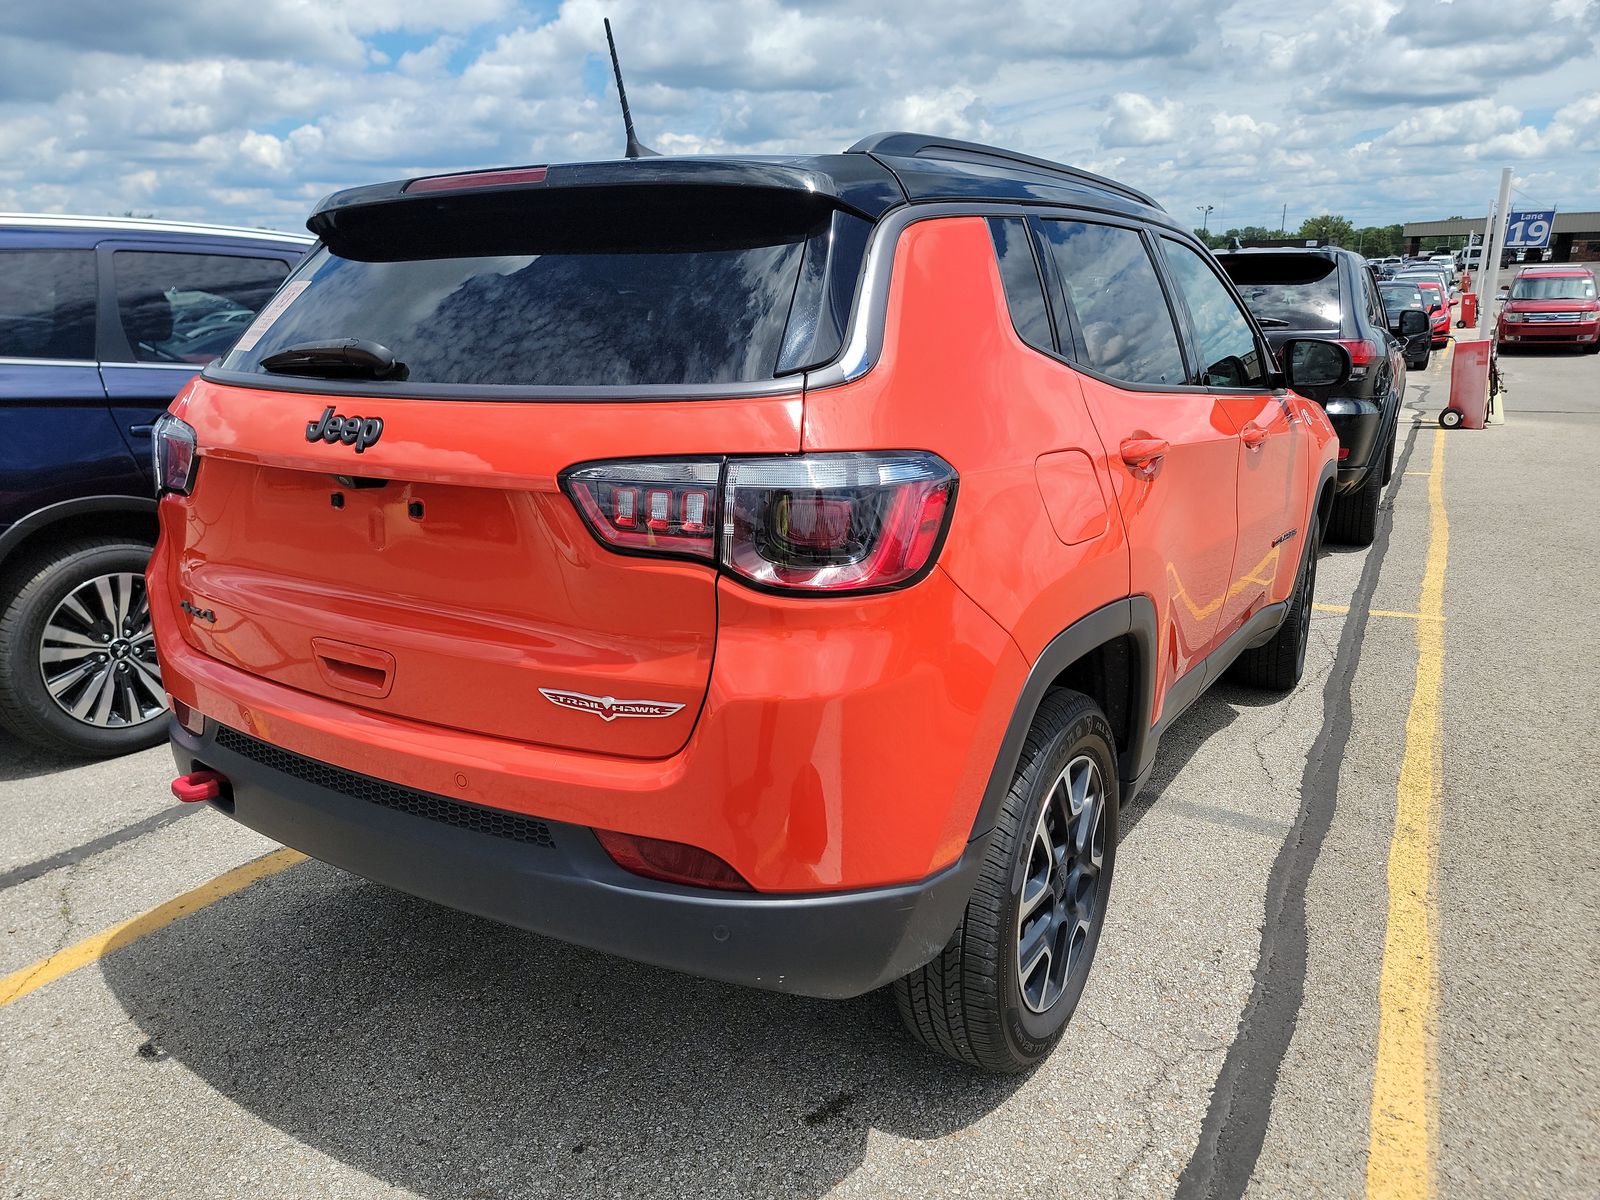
(633, 149)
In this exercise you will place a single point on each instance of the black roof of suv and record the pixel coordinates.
(876, 174)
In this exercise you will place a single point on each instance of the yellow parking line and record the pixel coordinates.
(1403, 1120)
(1379, 612)
(29, 979)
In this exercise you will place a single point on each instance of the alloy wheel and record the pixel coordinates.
(97, 654)
(1060, 889)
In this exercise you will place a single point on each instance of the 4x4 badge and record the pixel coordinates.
(609, 708)
(359, 432)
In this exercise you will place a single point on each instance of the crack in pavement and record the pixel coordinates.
(1235, 1125)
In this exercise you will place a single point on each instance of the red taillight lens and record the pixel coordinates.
(659, 507)
(1344, 453)
(173, 455)
(834, 522)
(673, 862)
(813, 522)
(1362, 353)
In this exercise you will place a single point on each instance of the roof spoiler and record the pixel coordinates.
(922, 145)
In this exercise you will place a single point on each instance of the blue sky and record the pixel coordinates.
(249, 113)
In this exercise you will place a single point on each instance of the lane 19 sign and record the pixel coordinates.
(1529, 230)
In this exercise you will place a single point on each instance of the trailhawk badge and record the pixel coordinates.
(609, 708)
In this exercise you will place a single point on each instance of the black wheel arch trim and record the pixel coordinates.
(1133, 617)
(51, 514)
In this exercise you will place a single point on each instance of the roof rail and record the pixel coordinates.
(921, 145)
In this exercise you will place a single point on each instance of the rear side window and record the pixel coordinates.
(1229, 355)
(47, 304)
(1112, 286)
(189, 308)
(1288, 291)
(1019, 273)
(574, 288)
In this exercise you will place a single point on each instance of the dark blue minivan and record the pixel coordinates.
(102, 321)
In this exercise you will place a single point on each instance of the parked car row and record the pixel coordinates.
(575, 544)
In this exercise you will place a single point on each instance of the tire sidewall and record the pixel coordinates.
(1029, 1035)
(37, 599)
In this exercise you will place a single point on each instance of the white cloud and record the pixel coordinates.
(1378, 108)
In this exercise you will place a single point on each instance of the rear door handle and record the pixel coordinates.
(1252, 435)
(1144, 455)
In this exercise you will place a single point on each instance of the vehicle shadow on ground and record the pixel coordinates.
(20, 760)
(458, 1058)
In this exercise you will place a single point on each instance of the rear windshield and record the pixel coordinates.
(1554, 287)
(1288, 291)
(1406, 297)
(707, 306)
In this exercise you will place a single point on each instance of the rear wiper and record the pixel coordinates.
(1271, 323)
(345, 358)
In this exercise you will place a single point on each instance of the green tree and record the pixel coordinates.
(1215, 240)
(1375, 241)
(1337, 231)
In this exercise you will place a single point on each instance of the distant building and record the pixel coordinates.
(1575, 238)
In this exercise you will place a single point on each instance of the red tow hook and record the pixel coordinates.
(199, 785)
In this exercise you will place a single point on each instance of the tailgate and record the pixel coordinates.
(441, 575)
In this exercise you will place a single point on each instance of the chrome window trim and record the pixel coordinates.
(10, 361)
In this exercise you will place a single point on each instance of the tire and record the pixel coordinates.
(1278, 665)
(1450, 418)
(1388, 453)
(1592, 348)
(1354, 521)
(975, 1002)
(56, 591)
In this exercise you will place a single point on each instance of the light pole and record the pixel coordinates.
(1205, 217)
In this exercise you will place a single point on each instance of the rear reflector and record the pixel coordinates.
(191, 720)
(672, 862)
(199, 785)
(476, 179)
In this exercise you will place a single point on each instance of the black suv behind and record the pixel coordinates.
(102, 321)
(1332, 293)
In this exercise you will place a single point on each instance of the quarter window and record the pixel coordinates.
(1229, 354)
(1112, 286)
(1020, 275)
(47, 304)
(189, 308)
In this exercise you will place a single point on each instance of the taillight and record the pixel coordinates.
(673, 862)
(657, 507)
(1362, 353)
(173, 455)
(835, 523)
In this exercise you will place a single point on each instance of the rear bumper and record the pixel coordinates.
(1358, 424)
(1532, 332)
(553, 878)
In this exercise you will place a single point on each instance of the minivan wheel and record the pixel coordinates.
(78, 670)
(1000, 994)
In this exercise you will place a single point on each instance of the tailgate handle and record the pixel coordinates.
(358, 669)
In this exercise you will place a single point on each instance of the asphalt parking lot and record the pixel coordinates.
(1279, 950)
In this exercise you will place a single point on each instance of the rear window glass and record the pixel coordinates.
(693, 308)
(189, 307)
(1552, 287)
(1299, 291)
(1398, 298)
(47, 304)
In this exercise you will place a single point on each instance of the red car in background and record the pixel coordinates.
(1438, 310)
(1552, 305)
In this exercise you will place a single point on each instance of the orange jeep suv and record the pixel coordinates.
(776, 569)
